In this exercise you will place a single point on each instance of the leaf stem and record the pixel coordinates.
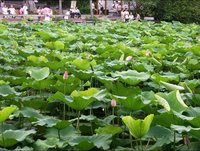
(141, 144)
(77, 124)
(113, 113)
(59, 134)
(174, 145)
(131, 140)
(64, 106)
(2, 129)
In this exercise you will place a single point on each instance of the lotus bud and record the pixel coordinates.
(147, 53)
(186, 140)
(129, 58)
(113, 103)
(65, 75)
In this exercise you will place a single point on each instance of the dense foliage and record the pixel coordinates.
(122, 86)
(186, 11)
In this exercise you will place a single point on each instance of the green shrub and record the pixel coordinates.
(186, 11)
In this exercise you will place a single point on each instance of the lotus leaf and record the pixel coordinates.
(58, 45)
(108, 129)
(6, 90)
(171, 87)
(131, 77)
(83, 64)
(12, 137)
(138, 128)
(6, 112)
(39, 74)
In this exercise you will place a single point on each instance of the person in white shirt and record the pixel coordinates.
(137, 17)
(100, 7)
(131, 16)
(5, 11)
(25, 9)
(126, 15)
(12, 10)
(77, 13)
(67, 15)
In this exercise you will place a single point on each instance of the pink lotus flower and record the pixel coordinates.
(148, 53)
(65, 75)
(129, 58)
(113, 103)
(186, 140)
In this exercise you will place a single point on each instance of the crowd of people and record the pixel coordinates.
(45, 13)
(11, 10)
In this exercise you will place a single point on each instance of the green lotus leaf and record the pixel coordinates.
(66, 133)
(46, 35)
(195, 49)
(12, 137)
(192, 83)
(192, 146)
(174, 100)
(195, 121)
(6, 90)
(101, 141)
(6, 112)
(47, 144)
(171, 119)
(147, 97)
(83, 74)
(87, 93)
(50, 45)
(138, 128)
(122, 90)
(29, 112)
(131, 77)
(176, 103)
(162, 135)
(62, 124)
(108, 129)
(143, 67)
(88, 117)
(131, 103)
(83, 64)
(3, 28)
(82, 143)
(115, 64)
(39, 73)
(2, 82)
(181, 128)
(77, 103)
(47, 121)
(156, 62)
(58, 45)
(37, 60)
(162, 102)
(107, 120)
(171, 87)
(165, 78)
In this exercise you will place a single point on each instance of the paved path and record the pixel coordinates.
(83, 19)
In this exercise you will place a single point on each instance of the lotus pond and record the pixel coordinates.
(112, 86)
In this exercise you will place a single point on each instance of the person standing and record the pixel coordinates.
(100, 7)
(1, 6)
(25, 9)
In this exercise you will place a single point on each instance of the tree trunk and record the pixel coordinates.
(60, 7)
(91, 11)
(31, 6)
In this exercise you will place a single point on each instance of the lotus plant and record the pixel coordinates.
(138, 128)
(113, 104)
(65, 77)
